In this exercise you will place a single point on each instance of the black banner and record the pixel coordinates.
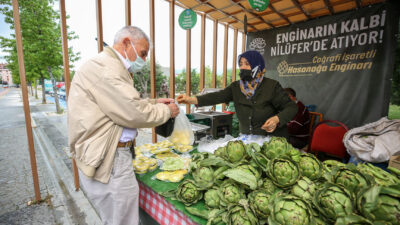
(343, 63)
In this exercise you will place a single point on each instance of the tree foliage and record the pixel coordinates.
(41, 40)
(180, 80)
(141, 80)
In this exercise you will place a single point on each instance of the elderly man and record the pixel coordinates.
(104, 112)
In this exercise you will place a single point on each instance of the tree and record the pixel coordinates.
(141, 79)
(41, 37)
(180, 82)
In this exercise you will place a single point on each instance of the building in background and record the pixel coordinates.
(5, 74)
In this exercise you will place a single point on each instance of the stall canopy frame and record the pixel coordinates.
(279, 12)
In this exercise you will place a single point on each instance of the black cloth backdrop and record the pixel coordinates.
(342, 63)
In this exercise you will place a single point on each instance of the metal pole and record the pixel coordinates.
(22, 77)
(243, 42)
(224, 74)
(214, 72)
(152, 61)
(67, 75)
(127, 12)
(203, 50)
(65, 47)
(188, 67)
(99, 19)
(172, 49)
(235, 35)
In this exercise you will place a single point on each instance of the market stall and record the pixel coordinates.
(275, 183)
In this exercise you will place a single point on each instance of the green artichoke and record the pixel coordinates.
(289, 209)
(380, 176)
(330, 164)
(310, 166)
(349, 177)
(257, 158)
(269, 186)
(394, 171)
(204, 177)
(211, 198)
(261, 161)
(203, 213)
(216, 216)
(304, 189)
(333, 201)
(318, 218)
(283, 172)
(219, 174)
(243, 176)
(241, 214)
(213, 160)
(380, 203)
(188, 193)
(230, 192)
(259, 201)
(353, 219)
(235, 151)
(254, 147)
(197, 158)
(220, 152)
(319, 221)
(275, 147)
(294, 154)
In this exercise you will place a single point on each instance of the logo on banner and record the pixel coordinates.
(282, 67)
(258, 44)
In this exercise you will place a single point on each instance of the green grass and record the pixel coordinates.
(394, 112)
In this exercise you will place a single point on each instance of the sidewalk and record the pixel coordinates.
(62, 204)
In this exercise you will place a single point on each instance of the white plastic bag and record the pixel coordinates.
(374, 142)
(210, 145)
(183, 133)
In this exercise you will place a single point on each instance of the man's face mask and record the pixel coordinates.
(136, 65)
(248, 75)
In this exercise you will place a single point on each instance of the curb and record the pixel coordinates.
(75, 207)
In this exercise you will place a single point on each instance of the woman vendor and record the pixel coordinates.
(262, 106)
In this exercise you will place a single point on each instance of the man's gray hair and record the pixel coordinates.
(130, 31)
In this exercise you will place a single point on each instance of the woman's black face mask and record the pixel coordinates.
(245, 75)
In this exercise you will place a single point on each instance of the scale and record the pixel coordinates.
(218, 124)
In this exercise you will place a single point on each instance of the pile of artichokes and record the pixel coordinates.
(276, 184)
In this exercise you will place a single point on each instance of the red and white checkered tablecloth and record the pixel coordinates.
(160, 209)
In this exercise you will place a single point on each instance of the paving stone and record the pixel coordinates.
(16, 181)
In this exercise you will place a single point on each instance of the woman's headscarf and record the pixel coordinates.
(257, 65)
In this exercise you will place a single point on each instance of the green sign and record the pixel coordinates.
(187, 19)
(259, 5)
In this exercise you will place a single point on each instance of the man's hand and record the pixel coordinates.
(271, 124)
(165, 100)
(186, 99)
(174, 109)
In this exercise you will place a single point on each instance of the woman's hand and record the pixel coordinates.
(186, 99)
(271, 124)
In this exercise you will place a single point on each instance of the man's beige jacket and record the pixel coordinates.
(102, 101)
